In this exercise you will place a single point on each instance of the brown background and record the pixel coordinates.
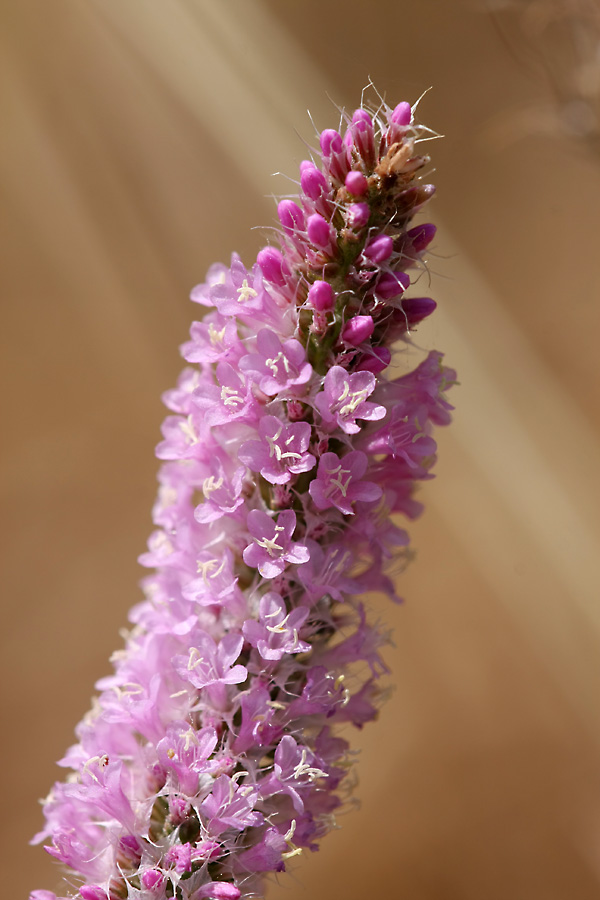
(139, 137)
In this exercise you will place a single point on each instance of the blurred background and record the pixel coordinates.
(138, 146)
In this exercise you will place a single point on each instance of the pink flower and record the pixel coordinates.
(210, 664)
(338, 482)
(230, 806)
(277, 631)
(185, 752)
(222, 491)
(343, 400)
(281, 451)
(277, 366)
(273, 547)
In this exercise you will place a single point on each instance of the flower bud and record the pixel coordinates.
(357, 330)
(330, 141)
(357, 215)
(312, 180)
(320, 232)
(321, 296)
(421, 236)
(418, 308)
(92, 892)
(272, 265)
(179, 809)
(375, 361)
(363, 136)
(402, 114)
(391, 284)
(291, 216)
(152, 880)
(218, 890)
(357, 183)
(379, 249)
(130, 848)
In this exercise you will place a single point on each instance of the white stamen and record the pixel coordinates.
(245, 292)
(216, 337)
(230, 396)
(189, 431)
(209, 485)
(270, 545)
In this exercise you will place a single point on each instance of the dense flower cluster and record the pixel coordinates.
(210, 757)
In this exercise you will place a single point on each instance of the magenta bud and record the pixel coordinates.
(357, 330)
(295, 410)
(357, 215)
(321, 296)
(418, 308)
(363, 136)
(273, 265)
(319, 231)
(424, 192)
(223, 890)
(402, 114)
(361, 115)
(421, 236)
(391, 284)
(179, 809)
(291, 216)
(330, 141)
(357, 183)
(152, 879)
(376, 361)
(129, 846)
(92, 892)
(312, 180)
(379, 249)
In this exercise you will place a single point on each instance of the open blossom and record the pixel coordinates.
(272, 546)
(338, 482)
(210, 758)
(277, 366)
(281, 452)
(277, 631)
(343, 400)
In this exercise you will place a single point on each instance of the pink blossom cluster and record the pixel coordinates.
(211, 756)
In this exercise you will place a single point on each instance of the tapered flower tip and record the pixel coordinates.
(356, 183)
(418, 308)
(321, 296)
(379, 249)
(152, 879)
(330, 141)
(361, 115)
(376, 360)
(401, 114)
(319, 231)
(93, 892)
(217, 890)
(357, 330)
(422, 236)
(391, 284)
(357, 215)
(290, 215)
(312, 180)
(272, 265)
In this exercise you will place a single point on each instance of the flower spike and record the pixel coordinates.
(210, 757)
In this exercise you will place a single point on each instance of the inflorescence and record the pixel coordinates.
(211, 756)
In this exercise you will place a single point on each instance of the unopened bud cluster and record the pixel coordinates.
(210, 757)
